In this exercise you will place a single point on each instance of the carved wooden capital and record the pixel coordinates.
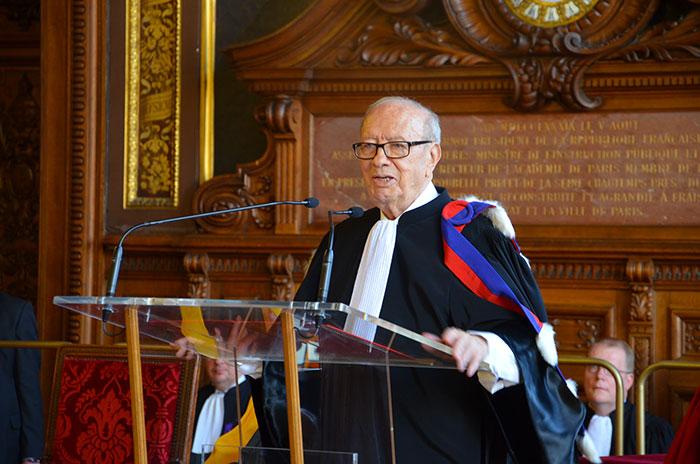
(197, 266)
(282, 268)
(641, 275)
(640, 270)
(197, 263)
(280, 115)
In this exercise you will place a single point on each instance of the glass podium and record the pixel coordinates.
(309, 345)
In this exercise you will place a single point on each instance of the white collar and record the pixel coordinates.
(428, 194)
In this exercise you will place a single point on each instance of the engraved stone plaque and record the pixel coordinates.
(594, 169)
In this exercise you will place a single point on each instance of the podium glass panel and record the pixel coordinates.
(345, 361)
(250, 330)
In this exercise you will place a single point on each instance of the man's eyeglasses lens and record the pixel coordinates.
(368, 150)
(592, 369)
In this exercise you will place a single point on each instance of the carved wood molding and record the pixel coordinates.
(197, 266)
(19, 182)
(569, 270)
(544, 61)
(578, 327)
(641, 339)
(136, 262)
(77, 327)
(275, 176)
(684, 334)
(677, 272)
(642, 312)
(282, 269)
(641, 273)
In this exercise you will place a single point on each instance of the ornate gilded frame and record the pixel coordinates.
(152, 103)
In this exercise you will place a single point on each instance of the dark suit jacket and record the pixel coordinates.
(21, 415)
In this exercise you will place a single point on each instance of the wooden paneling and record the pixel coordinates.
(638, 283)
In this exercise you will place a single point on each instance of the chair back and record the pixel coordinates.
(90, 413)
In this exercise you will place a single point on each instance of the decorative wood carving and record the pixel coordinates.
(407, 41)
(577, 270)
(587, 331)
(642, 312)
(77, 326)
(247, 265)
(197, 266)
(691, 337)
(401, 6)
(641, 273)
(152, 263)
(232, 191)
(578, 327)
(546, 49)
(253, 182)
(674, 272)
(684, 334)
(23, 12)
(667, 41)
(19, 183)
(282, 268)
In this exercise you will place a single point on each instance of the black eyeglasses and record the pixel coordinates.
(397, 149)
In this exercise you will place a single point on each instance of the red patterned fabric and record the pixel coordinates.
(94, 412)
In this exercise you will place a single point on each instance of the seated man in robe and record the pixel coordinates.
(391, 263)
(599, 386)
(216, 411)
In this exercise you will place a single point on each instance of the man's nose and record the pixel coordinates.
(380, 158)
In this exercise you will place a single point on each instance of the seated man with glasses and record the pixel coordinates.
(391, 263)
(599, 386)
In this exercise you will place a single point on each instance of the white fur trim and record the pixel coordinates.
(546, 345)
(573, 387)
(587, 448)
(498, 216)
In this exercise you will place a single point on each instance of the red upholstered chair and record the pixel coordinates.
(90, 413)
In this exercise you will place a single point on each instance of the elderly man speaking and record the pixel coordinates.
(452, 271)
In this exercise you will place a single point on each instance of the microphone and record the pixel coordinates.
(324, 283)
(117, 254)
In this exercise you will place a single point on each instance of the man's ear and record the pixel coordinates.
(435, 155)
(627, 381)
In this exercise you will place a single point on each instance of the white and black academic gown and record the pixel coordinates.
(658, 433)
(440, 415)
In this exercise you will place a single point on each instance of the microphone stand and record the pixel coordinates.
(327, 266)
(118, 250)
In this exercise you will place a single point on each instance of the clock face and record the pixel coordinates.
(550, 13)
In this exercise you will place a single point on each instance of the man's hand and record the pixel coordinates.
(468, 350)
(184, 348)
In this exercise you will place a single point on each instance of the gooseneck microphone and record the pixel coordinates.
(117, 254)
(324, 282)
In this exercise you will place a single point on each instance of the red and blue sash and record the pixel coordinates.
(470, 266)
(473, 270)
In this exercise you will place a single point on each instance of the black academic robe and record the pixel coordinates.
(230, 411)
(658, 433)
(439, 415)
